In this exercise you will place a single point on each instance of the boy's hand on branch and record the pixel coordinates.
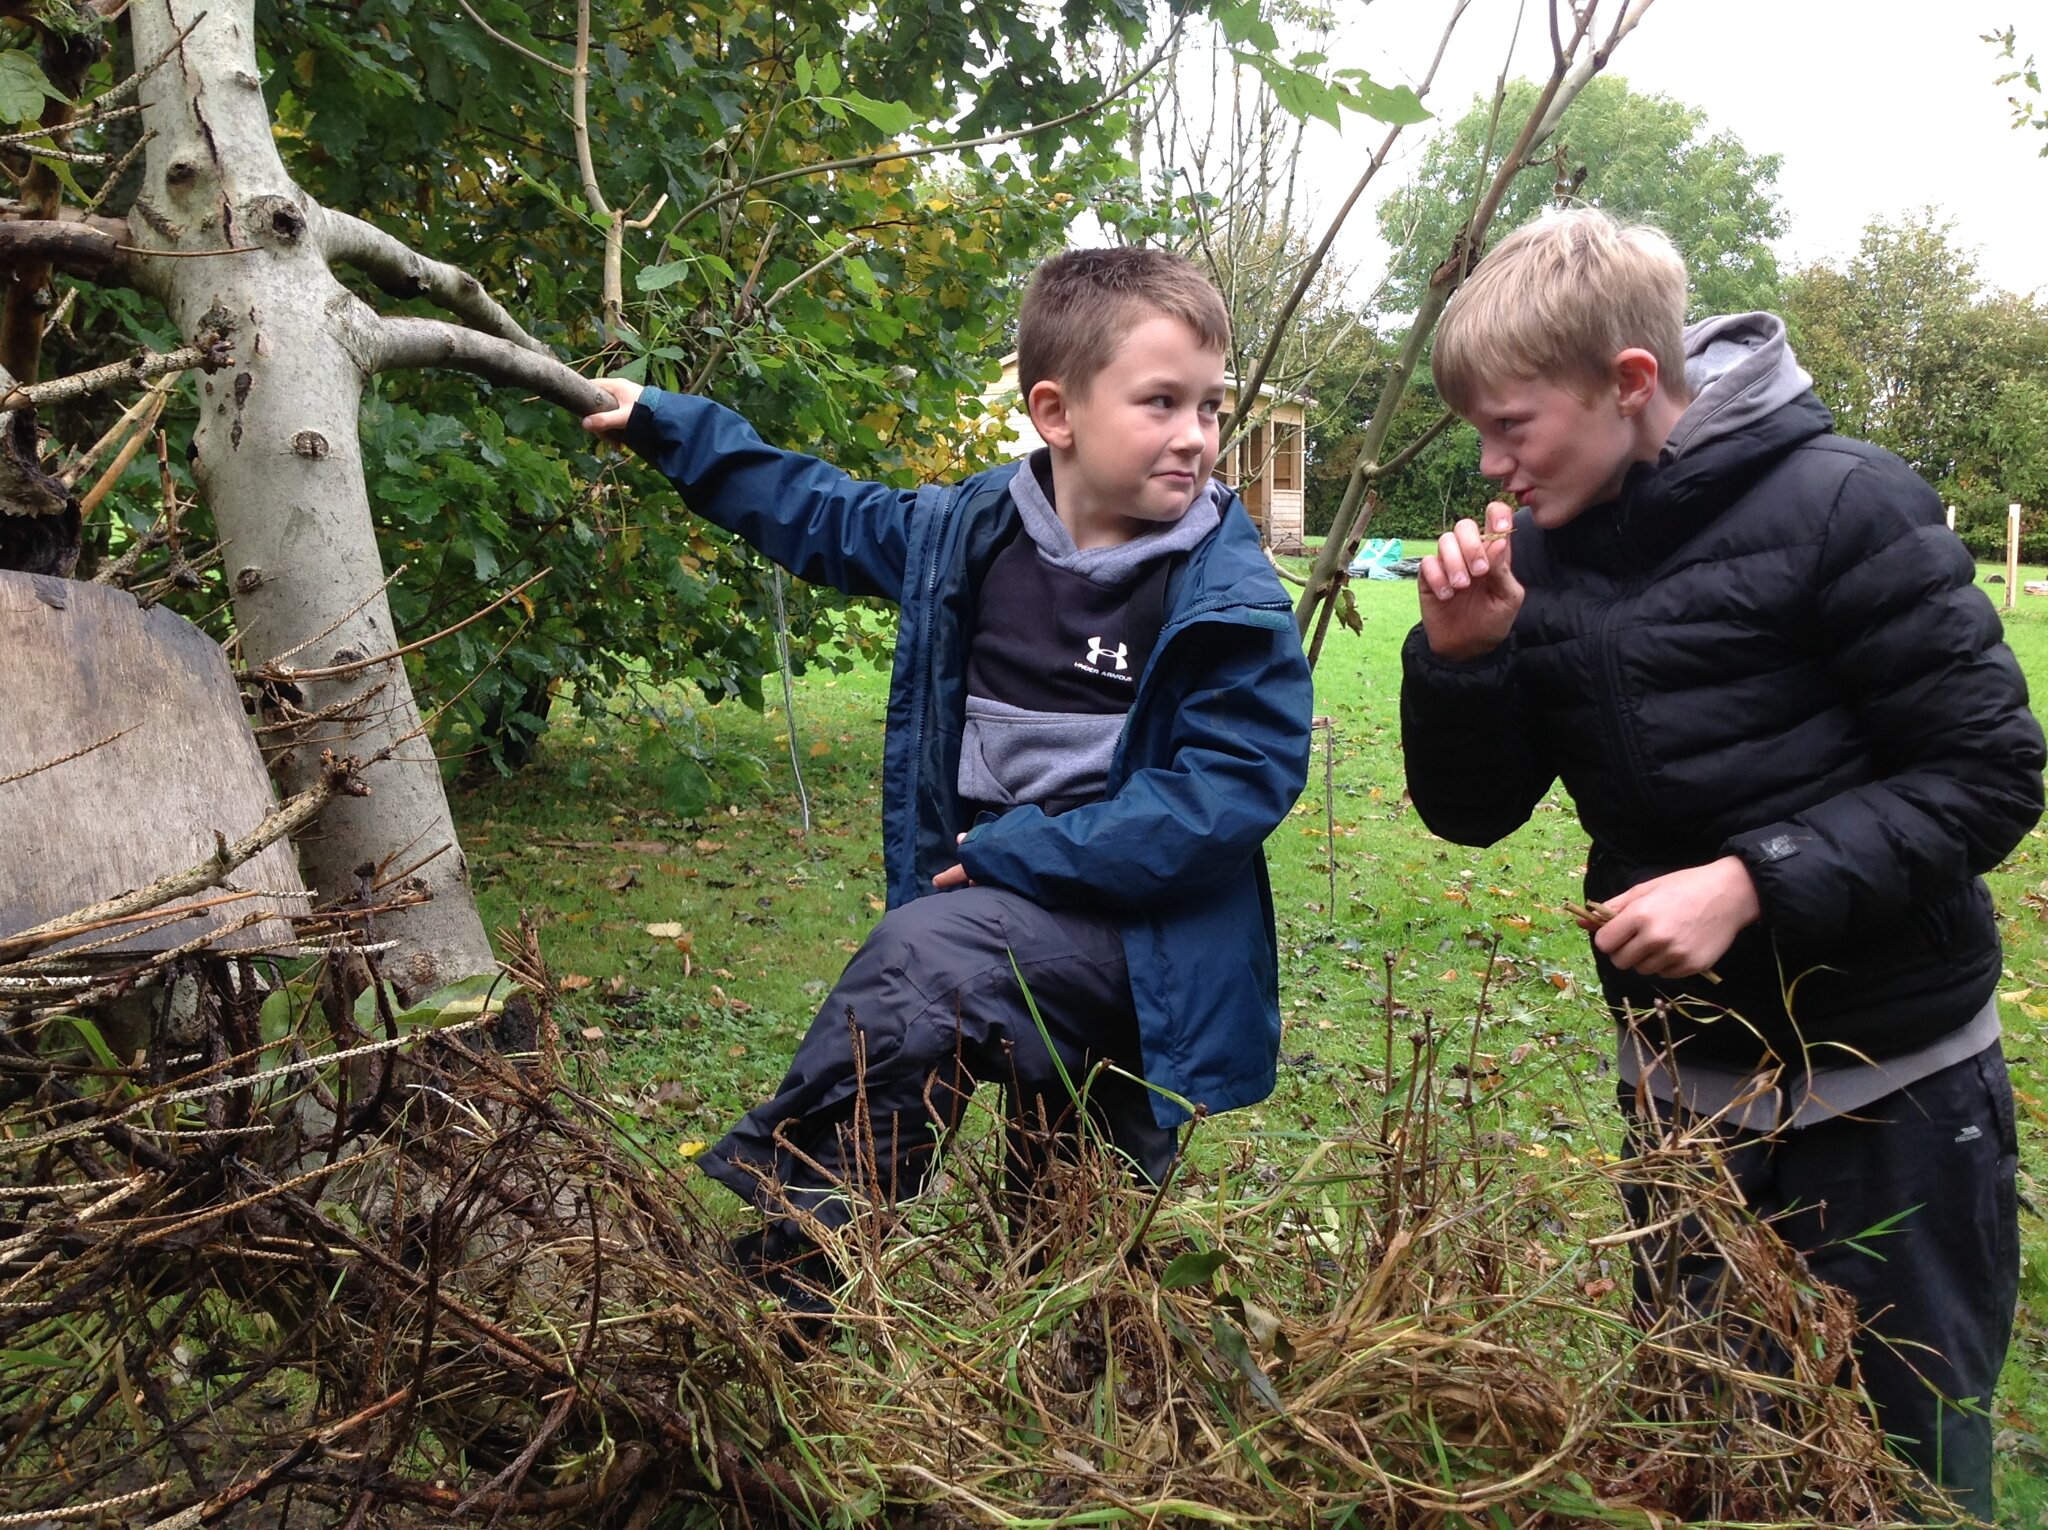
(1468, 587)
(610, 422)
(1679, 925)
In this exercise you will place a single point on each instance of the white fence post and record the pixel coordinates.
(2012, 555)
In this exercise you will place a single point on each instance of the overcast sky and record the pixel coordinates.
(1879, 107)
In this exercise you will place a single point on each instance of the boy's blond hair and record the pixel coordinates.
(1080, 306)
(1559, 299)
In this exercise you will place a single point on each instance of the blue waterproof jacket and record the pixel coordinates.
(1213, 753)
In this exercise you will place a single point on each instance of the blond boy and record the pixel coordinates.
(1757, 660)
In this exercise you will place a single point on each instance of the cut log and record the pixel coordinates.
(86, 814)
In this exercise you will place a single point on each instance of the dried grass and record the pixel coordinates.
(326, 1275)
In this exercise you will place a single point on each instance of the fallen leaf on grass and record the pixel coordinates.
(622, 881)
(691, 1149)
(573, 981)
(707, 847)
(666, 930)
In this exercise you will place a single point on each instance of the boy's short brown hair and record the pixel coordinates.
(1081, 305)
(1559, 299)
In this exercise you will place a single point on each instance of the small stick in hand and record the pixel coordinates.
(1593, 915)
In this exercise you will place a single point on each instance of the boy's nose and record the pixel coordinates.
(1494, 463)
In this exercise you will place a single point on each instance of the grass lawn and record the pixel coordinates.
(696, 945)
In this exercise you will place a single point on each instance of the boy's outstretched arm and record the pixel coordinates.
(1239, 759)
(1918, 655)
(817, 522)
(1474, 770)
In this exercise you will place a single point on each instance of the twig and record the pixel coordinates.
(337, 778)
(1595, 914)
(65, 759)
(499, 37)
(271, 672)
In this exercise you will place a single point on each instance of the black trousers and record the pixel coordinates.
(1936, 1290)
(934, 1007)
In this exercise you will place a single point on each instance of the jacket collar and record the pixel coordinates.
(1664, 504)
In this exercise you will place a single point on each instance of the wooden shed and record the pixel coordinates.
(1266, 462)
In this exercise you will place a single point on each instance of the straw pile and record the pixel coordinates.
(329, 1264)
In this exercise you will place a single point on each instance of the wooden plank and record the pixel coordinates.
(83, 662)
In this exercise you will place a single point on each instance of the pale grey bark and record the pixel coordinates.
(277, 451)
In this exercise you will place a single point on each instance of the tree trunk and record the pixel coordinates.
(278, 459)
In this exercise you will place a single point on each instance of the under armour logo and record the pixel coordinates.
(1097, 653)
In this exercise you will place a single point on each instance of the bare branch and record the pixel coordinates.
(612, 300)
(1411, 451)
(499, 37)
(150, 364)
(337, 778)
(274, 673)
(403, 272)
(1563, 86)
(397, 343)
(89, 248)
(1283, 319)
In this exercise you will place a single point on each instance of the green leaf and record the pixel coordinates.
(1397, 104)
(1237, 1349)
(803, 74)
(826, 75)
(23, 87)
(892, 117)
(654, 278)
(1193, 1268)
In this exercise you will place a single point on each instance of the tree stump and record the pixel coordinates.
(124, 752)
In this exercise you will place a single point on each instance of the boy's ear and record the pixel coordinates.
(1636, 376)
(1047, 406)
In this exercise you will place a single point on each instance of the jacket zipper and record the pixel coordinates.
(1198, 615)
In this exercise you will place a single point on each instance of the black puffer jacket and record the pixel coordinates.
(1770, 646)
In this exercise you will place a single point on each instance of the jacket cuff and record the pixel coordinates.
(1488, 671)
(642, 428)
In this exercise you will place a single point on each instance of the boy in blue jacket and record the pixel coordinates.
(1756, 658)
(1099, 711)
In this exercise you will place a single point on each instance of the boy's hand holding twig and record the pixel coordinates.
(1678, 925)
(1468, 588)
(610, 422)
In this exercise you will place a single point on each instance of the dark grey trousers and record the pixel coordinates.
(1937, 1288)
(931, 1006)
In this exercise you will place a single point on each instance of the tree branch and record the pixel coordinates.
(1314, 264)
(88, 248)
(1559, 90)
(395, 344)
(289, 818)
(402, 272)
(210, 357)
(889, 156)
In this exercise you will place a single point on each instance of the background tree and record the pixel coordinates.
(1910, 351)
(483, 144)
(1638, 155)
(1633, 153)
